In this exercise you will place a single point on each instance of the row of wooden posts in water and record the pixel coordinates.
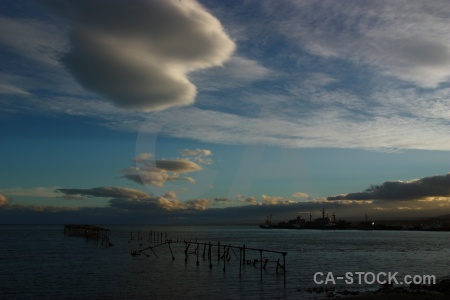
(223, 252)
(153, 237)
(91, 233)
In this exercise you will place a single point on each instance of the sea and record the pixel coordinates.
(40, 262)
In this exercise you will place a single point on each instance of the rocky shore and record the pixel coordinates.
(438, 291)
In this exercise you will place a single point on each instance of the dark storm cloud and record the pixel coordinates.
(138, 54)
(433, 186)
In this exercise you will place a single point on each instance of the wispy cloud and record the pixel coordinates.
(135, 200)
(41, 192)
(3, 200)
(147, 204)
(248, 200)
(161, 210)
(237, 72)
(37, 40)
(201, 156)
(156, 172)
(324, 127)
(274, 200)
(196, 152)
(105, 192)
(408, 41)
(222, 201)
(11, 89)
(199, 204)
(312, 75)
(299, 195)
(167, 209)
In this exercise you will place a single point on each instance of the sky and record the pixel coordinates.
(222, 112)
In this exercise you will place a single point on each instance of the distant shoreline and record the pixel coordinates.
(438, 291)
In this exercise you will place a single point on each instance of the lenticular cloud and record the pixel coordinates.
(138, 54)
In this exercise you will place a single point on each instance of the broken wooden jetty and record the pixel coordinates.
(223, 251)
(91, 233)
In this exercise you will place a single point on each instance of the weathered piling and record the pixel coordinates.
(170, 248)
(218, 251)
(260, 264)
(226, 255)
(204, 249)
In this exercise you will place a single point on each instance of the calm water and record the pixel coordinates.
(40, 262)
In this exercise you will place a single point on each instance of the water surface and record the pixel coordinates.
(40, 262)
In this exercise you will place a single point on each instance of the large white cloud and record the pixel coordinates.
(138, 54)
(317, 107)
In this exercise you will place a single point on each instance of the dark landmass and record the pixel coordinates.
(441, 223)
(438, 291)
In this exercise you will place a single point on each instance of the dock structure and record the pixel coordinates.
(208, 250)
(91, 233)
(155, 237)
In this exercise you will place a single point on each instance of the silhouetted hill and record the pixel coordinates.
(444, 217)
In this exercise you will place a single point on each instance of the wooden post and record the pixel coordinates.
(284, 268)
(240, 262)
(173, 257)
(265, 263)
(260, 262)
(210, 256)
(198, 251)
(154, 252)
(226, 255)
(224, 251)
(204, 250)
(228, 252)
(218, 251)
(186, 251)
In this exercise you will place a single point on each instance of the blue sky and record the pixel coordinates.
(213, 111)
